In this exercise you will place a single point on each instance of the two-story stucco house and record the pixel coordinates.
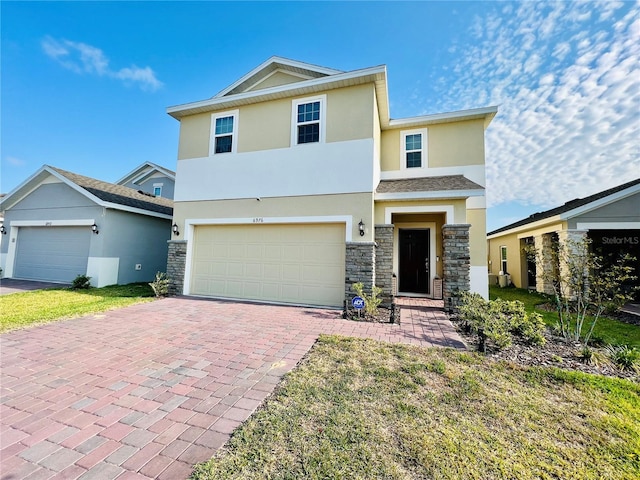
(293, 183)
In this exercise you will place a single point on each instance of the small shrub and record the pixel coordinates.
(81, 282)
(160, 285)
(496, 321)
(371, 302)
(624, 357)
(593, 357)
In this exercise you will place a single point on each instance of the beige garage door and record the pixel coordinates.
(301, 264)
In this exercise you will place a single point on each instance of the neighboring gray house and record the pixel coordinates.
(150, 178)
(58, 224)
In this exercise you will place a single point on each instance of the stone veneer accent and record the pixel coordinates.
(360, 258)
(176, 262)
(384, 260)
(456, 264)
(544, 262)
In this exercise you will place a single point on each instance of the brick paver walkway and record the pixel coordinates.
(149, 390)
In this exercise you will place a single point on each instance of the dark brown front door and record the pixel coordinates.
(414, 261)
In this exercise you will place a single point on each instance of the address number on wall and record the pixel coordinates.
(258, 220)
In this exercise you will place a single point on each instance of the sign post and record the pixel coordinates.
(358, 304)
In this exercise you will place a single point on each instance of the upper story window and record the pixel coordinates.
(414, 143)
(308, 120)
(157, 190)
(224, 135)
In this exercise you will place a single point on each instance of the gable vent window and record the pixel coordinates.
(224, 132)
(308, 120)
(414, 149)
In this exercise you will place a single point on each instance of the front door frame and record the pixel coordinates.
(433, 260)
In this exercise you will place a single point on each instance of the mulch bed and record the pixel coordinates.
(386, 314)
(556, 352)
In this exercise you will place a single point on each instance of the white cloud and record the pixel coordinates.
(566, 78)
(82, 58)
(16, 162)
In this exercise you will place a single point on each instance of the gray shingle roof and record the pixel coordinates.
(570, 205)
(428, 184)
(118, 194)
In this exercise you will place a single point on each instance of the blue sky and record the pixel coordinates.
(85, 85)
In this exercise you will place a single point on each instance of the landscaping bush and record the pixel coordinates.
(81, 282)
(624, 357)
(160, 285)
(496, 321)
(371, 302)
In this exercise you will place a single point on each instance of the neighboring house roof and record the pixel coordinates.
(145, 170)
(314, 79)
(571, 208)
(105, 194)
(446, 186)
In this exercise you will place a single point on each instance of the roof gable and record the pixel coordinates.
(292, 70)
(577, 206)
(144, 171)
(105, 194)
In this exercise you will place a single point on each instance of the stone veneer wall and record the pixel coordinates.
(544, 262)
(456, 264)
(360, 258)
(176, 262)
(384, 260)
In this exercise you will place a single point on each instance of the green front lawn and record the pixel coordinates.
(20, 310)
(607, 330)
(361, 409)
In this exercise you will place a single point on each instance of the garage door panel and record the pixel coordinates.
(287, 263)
(56, 254)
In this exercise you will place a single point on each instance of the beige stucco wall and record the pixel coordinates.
(459, 208)
(516, 262)
(275, 80)
(477, 236)
(448, 145)
(267, 125)
(357, 205)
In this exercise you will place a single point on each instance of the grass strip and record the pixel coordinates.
(21, 310)
(361, 409)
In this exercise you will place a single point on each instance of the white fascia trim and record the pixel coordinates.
(278, 70)
(317, 82)
(9, 196)
(346, 219)
(150, 168)
(601, 202)
(608, 226)
(140, 211)
(54, 223)
(448, 210)
(428, 195)
(555, 220)
(470, 114)
(282, 61)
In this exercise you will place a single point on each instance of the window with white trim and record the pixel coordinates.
(308, 120)
(503, 259)
(414, 148)
(224, 132)
(157, 190)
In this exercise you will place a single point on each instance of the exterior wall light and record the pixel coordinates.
(3, 230)
(361, 228)
(94, 228)
(175, 230)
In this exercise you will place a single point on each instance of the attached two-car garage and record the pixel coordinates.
(55, 254)
(289, 263)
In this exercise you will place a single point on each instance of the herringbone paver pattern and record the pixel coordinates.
(149, 390)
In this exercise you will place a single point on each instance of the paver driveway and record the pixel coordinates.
(149, 390)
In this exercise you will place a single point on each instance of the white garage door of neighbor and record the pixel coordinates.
(56, 254)
(302, 264)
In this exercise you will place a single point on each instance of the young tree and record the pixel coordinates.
(584, 286)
